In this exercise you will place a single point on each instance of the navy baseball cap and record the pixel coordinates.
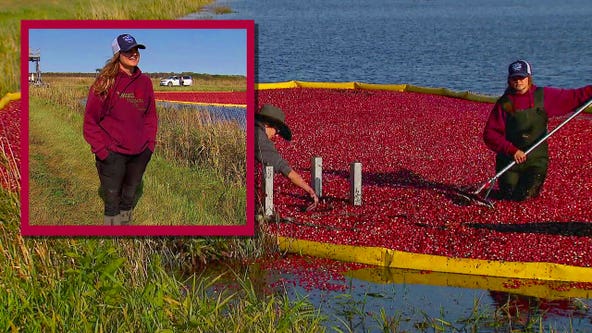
(519, 68)
(124, 43)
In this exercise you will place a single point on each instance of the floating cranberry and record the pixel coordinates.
(416, 150)
(10, 142)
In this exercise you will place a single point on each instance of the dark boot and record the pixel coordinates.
(535, 187)
(529, 187)
(505, 192)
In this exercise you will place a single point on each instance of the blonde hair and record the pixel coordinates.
(106, 78)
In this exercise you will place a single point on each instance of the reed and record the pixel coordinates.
(84, 287)
(219, 10)
(196, 138)
(9, 167)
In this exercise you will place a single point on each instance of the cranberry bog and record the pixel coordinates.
(417, 149)
(10, 140)
(218, 98)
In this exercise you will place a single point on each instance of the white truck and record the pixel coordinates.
(175, 80)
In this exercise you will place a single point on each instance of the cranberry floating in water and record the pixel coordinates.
(415, 150)
(10, 142)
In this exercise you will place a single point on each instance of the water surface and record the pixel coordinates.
(460, 45)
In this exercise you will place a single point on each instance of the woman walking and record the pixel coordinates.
(120, 124)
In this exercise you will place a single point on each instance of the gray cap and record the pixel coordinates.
(276, 118)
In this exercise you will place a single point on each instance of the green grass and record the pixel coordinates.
(112, 284)
(84, 287)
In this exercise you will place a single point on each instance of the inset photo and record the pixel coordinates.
(137, 128)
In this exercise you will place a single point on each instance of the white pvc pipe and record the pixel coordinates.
(268, 186)
(355, 181)
(316, 175)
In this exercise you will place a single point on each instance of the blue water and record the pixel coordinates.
(460, 45)
(227, 113)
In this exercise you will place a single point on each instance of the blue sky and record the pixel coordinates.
(212, 51)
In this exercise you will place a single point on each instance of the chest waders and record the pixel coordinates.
(524, 128)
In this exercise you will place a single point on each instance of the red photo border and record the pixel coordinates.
(137, 230)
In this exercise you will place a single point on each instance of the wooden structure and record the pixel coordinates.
(35, 78)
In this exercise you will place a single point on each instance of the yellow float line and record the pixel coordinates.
(550, 290)
(202, 103)
(378, 256)
(391, 87)
(8, 98)
(371, 86)
(390, 258)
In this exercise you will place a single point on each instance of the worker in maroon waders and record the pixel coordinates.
(519, 120)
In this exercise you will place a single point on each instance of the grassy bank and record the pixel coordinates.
(124, 285)
(113, 284)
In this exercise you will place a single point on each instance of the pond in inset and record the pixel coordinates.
(218, 112)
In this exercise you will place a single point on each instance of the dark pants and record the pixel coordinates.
(523, 181)
(120, 176)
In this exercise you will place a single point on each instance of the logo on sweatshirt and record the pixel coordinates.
(137, 102)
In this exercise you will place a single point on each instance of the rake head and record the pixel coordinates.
(476, 197)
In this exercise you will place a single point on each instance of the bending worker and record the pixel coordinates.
(518, 121)
(269, 123)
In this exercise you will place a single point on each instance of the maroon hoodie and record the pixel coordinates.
(557, 102)
(125, 121)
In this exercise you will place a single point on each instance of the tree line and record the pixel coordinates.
(204, 76)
